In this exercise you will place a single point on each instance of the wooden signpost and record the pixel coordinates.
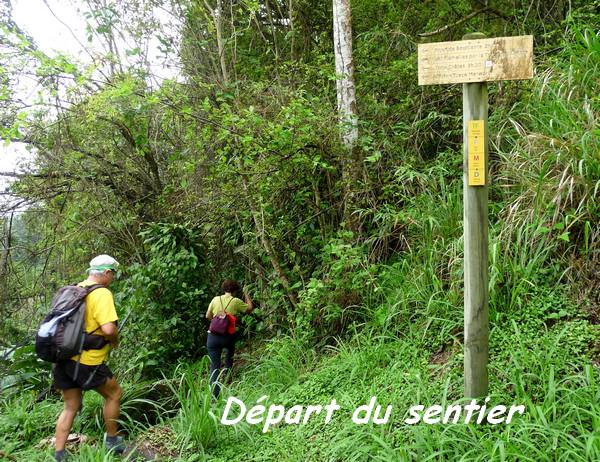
(476, 59)
(473, 62)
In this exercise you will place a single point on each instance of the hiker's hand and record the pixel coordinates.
(114, 345)
(247, 295)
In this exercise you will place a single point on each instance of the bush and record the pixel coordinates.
(334, 296)
(165, 297)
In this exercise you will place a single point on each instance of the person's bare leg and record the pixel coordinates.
(72, 398)
(111, 391)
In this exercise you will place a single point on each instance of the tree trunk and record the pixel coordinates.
(292, 31)
(4, 259)
(346, 105)
(273, 30)
(266, 243)
(217, 15)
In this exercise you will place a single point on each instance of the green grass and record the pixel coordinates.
(540, 370)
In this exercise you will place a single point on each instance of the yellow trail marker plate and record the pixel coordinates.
(476, 150)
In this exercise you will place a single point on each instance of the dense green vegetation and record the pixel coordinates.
(216, 174)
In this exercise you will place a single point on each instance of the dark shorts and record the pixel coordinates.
(88, 377)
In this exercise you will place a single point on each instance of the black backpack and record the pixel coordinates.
(61, 334)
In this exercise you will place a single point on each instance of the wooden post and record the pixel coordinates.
(475, 107)
(474, 61)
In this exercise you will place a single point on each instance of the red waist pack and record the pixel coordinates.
(231, 327)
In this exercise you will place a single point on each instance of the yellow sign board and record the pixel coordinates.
(480, 60)
(476, 152)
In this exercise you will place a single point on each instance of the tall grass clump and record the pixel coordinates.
(549, 168)
(196, 422)
(280, 363)
(422, 282)
(24, 422)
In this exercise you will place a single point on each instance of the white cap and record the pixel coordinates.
(103, 262)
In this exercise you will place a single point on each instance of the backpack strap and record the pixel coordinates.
(89, 290)
(92, 287)
(224, 310)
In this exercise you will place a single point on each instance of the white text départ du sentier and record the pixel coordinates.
(235, 411)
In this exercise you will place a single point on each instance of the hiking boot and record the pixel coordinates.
(115, 444)
(61, 456)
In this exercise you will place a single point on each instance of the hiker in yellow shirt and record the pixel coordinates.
(90, 371)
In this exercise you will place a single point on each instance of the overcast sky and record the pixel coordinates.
(34, 17)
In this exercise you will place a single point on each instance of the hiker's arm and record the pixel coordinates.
(209, 314)
(111, 332)
(248, 302)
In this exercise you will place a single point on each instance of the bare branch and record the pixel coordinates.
(454, 24)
